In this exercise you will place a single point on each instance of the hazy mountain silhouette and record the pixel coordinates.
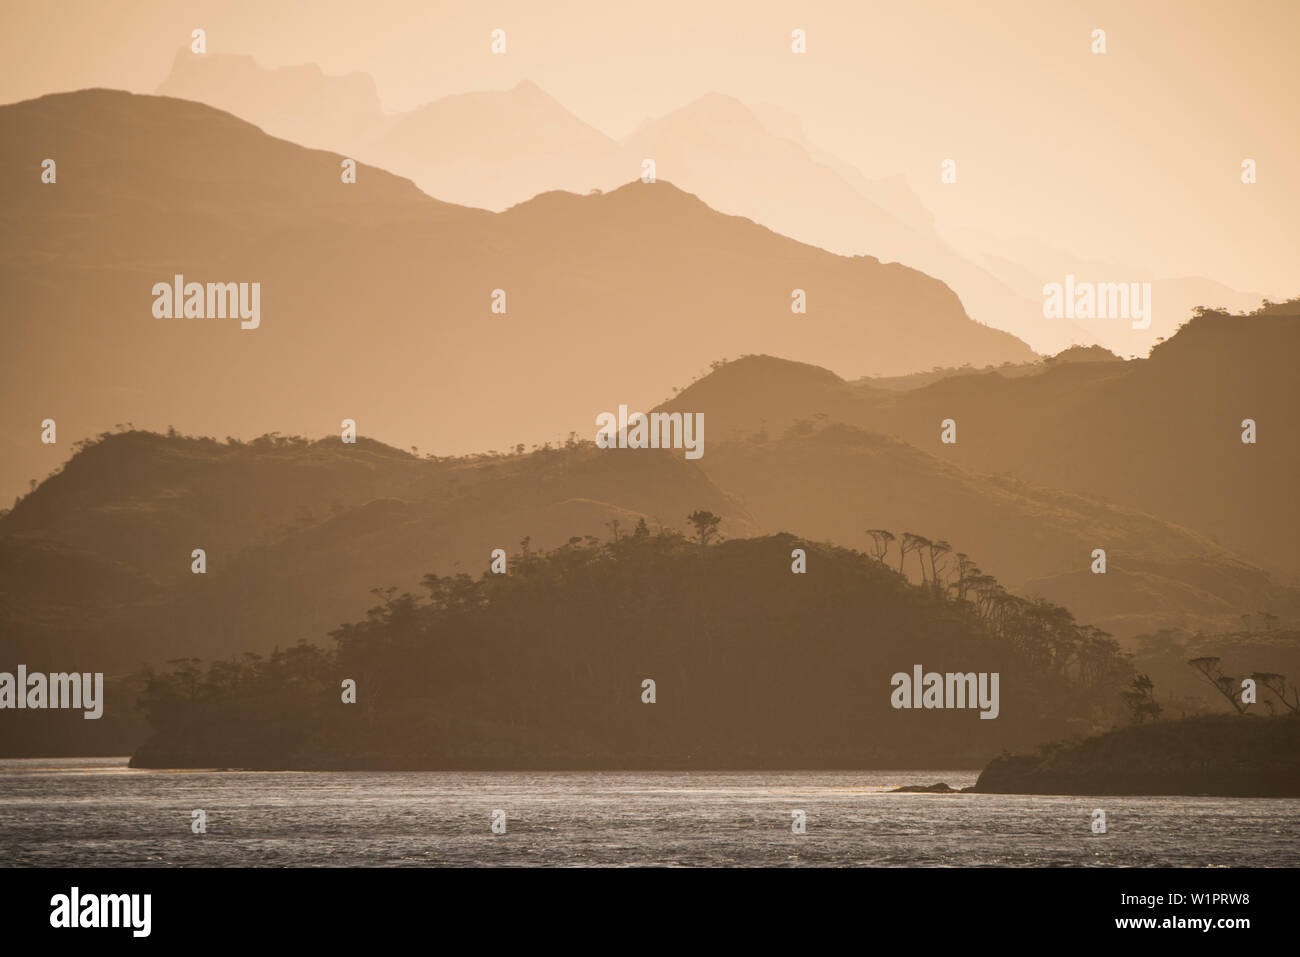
(721, 150)
(492, 149)
(296, 535)
(299, 103)
(916, 380)
(835, 482)
(1161, 436)
(1024, 264)
(498, 148)
(647, 272)
(495, 149)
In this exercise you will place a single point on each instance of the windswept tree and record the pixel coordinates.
(880, 539)
(1226, 685)
(911, 543)
(937, 550)
(921, 545)
(965, 569)
(1275, 683)
(706, 525)
(520, 648)
(1140, 700)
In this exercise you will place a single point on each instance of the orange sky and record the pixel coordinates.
(1133, 156)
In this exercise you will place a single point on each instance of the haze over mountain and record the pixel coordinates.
(298, 103)
(297, 534)
(96, 563)
(1024, 264)
(1160, 436)
(495, 149)
(376, 300)
(491, 149)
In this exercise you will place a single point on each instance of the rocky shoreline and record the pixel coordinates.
(1213, 755)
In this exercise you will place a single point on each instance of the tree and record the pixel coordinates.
(880, 539)
(1224, 684)
(1277, 685)
(1140, 699)
(706, 525)
(913, 543)
(905, 546)
(965, 569)
(937, 549)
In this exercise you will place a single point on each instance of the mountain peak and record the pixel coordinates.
(718, 108)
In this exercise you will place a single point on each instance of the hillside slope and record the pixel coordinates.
(1161, 436)
(376, 300)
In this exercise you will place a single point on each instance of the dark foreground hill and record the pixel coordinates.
(547, 666)
(1225, 755)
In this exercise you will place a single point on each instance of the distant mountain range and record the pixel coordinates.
(376, 306)
(297, 533)
(497, 148)
(1160, 436)
(376, 300)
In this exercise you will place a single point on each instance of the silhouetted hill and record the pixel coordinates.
(1007, 370)
(497, 148)
(491, 148)
(1222, 755)
(1160, 436)
(646, 271)
(722, 150)
(545, 667)
(296, 535)
(835, 482)
(299, 103)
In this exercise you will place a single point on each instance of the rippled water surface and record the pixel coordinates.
(97, 812)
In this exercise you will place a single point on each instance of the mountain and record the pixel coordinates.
(376, 296)
(833, 482)
(298, 103)
(496, 149)
(1160, 436)
(719, 148)
(1025, 264)
(296, 534)
(652, 651)
(491, 149)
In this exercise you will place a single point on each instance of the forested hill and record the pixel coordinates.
(544, 666)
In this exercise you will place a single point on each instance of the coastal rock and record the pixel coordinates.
(1219, 755)
(939, 787)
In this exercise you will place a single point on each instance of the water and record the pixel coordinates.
(98, 812)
